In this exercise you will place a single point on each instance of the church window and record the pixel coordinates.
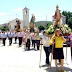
(26, 12)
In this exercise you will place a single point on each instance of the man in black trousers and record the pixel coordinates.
(10, 36)
(4, 36)
(20, 36)
(15, 35)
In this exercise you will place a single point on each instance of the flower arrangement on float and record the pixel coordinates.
(50, 30)
(63, 27)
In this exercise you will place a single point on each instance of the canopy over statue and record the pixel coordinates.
(32, 22)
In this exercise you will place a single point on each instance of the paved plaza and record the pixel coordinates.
(15, 59)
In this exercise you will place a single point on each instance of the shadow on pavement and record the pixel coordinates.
(53, 69)
(33, 49)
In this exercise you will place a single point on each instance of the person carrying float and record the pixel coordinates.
(58, 39)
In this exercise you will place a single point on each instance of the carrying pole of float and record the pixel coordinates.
(40, 54)
(52, 53)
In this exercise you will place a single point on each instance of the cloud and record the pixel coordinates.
(18, 9)
(2, 13)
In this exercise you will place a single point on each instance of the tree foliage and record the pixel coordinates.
(67, 14)
(70, 22)
(41, 28)
(4, 28)
(48, 25)
(68, 18)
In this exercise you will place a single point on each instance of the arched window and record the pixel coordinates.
(26, 12)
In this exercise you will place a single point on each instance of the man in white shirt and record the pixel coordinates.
(20, 36)
(15, 36)
(10, 36)
(4, 36)
(46, 42)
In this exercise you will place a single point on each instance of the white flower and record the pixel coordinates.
(67, 31)
(51, 27)
(65, 25)
(70, 30)
(64, 32)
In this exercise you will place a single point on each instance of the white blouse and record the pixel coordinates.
(46, 41)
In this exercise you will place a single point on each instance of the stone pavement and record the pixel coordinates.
(15, 59)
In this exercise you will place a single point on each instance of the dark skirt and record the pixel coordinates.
(58, 53)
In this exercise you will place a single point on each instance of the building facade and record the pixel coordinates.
(63, 19)
(13, 24)
(26, 17)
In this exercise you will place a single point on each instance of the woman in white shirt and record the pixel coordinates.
(46, 42)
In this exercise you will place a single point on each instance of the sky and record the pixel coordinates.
(42, 9)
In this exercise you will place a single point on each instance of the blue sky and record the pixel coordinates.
(11, 9)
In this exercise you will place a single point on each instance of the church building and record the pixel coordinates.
(25, 23)
(13, 24)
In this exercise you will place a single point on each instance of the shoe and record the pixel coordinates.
(48, 63)
(57, 70)
(9, 44)
(19, 45)
(63, 71)
(28, 49)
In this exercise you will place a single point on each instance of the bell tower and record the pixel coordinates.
(26, 17)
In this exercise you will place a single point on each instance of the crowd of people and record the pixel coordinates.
(28, 38)
(22, 36)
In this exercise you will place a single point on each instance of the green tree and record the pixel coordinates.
(41, 28)
(4, 28)
(48, 25)
(70, 22)
(67, 14)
